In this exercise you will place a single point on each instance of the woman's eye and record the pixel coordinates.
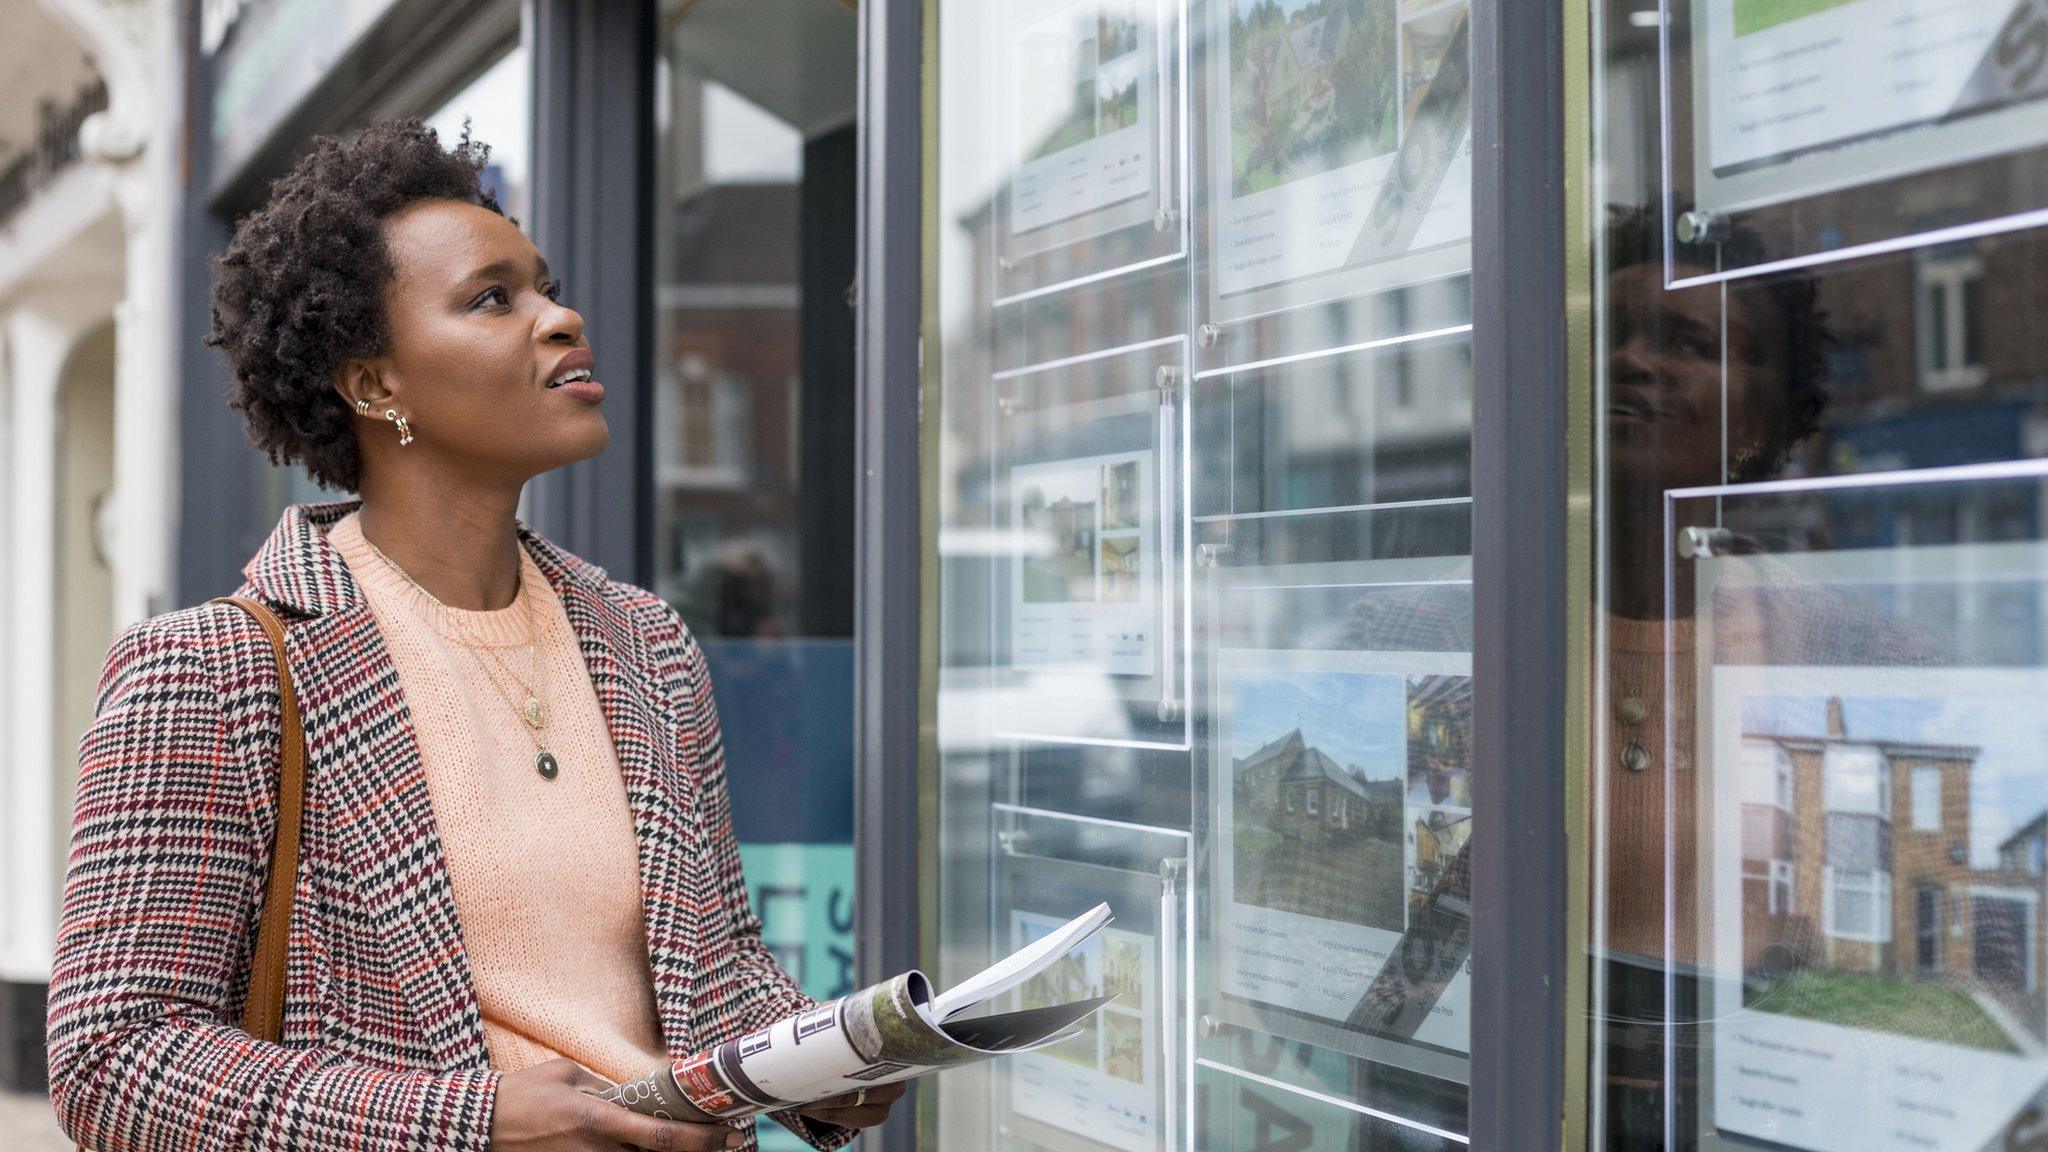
(492, 295)
(554, 291)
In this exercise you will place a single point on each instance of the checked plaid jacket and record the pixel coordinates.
(383, 1044)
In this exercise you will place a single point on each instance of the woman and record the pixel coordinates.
(518, 880)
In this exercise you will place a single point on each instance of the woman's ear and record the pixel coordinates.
(360, 380)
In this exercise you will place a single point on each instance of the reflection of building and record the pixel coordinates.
(1856, 858)
(726, 393)
(1289, 783)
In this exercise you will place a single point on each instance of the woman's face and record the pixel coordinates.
(1666, 376)
(476, 334)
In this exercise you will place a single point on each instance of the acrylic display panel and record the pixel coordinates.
(1333, 168)
(1118, 1084)
(1330, 504)
(1385, 430)
(1858, 760)
(1089, 601)
(1802, 131)
(1088, 109)
(1332, 872)
(1268, 1093)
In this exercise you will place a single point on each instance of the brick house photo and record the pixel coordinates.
(1317, 802)
(1861, 902)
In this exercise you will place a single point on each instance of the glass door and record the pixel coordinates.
(1203, 499)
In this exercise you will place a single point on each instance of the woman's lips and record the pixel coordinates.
(589, 390)
(1630, 408)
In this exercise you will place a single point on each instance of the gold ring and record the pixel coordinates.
(860, 1098)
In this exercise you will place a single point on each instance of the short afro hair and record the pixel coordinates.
(300, 290)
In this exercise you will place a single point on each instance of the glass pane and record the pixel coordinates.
(1819, 633)
(753, 439)
(1204, 522)
(1891, 989)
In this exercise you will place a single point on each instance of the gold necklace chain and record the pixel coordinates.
(533, 711)
(535, 717)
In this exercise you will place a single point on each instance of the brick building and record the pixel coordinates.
(1288, 782)
(1856, 859)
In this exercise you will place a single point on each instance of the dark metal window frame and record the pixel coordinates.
(1521, 566)
(890, 543)
(593, 205)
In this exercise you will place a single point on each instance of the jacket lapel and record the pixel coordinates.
(361, 746)
(369, 777)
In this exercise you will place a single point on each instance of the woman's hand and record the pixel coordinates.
(554, 1107)
(855, 1111)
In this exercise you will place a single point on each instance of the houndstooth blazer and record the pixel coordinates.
(383, 1043)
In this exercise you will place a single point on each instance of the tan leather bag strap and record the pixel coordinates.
(263, 1012)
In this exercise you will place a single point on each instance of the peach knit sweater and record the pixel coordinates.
(546, 873)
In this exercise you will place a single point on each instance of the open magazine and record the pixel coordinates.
(895, 1030)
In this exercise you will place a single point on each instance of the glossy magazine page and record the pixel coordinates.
(895, 1030)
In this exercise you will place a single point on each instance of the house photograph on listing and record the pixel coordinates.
(1865, 901)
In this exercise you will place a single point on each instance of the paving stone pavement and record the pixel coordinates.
(27, 1125)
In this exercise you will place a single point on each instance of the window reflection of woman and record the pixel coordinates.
(1704, 386)
(1681, 365)
(1673, 359)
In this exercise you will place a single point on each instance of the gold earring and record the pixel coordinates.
(404, 433)
(363, 406)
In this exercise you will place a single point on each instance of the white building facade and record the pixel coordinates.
(89, 195)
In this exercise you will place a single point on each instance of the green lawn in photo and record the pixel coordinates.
(1757, 15)
(1883, 1004)
(1351, 877)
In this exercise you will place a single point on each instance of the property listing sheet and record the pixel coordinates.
(1340, 136)
(1085, 567)
(1877, 905)
(1343, 796)
(1862, 89)
(1084, 90)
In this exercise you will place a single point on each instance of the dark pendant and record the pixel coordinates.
(546, 766)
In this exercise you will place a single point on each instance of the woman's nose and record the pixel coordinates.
(561, 324)
(1632, 362)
